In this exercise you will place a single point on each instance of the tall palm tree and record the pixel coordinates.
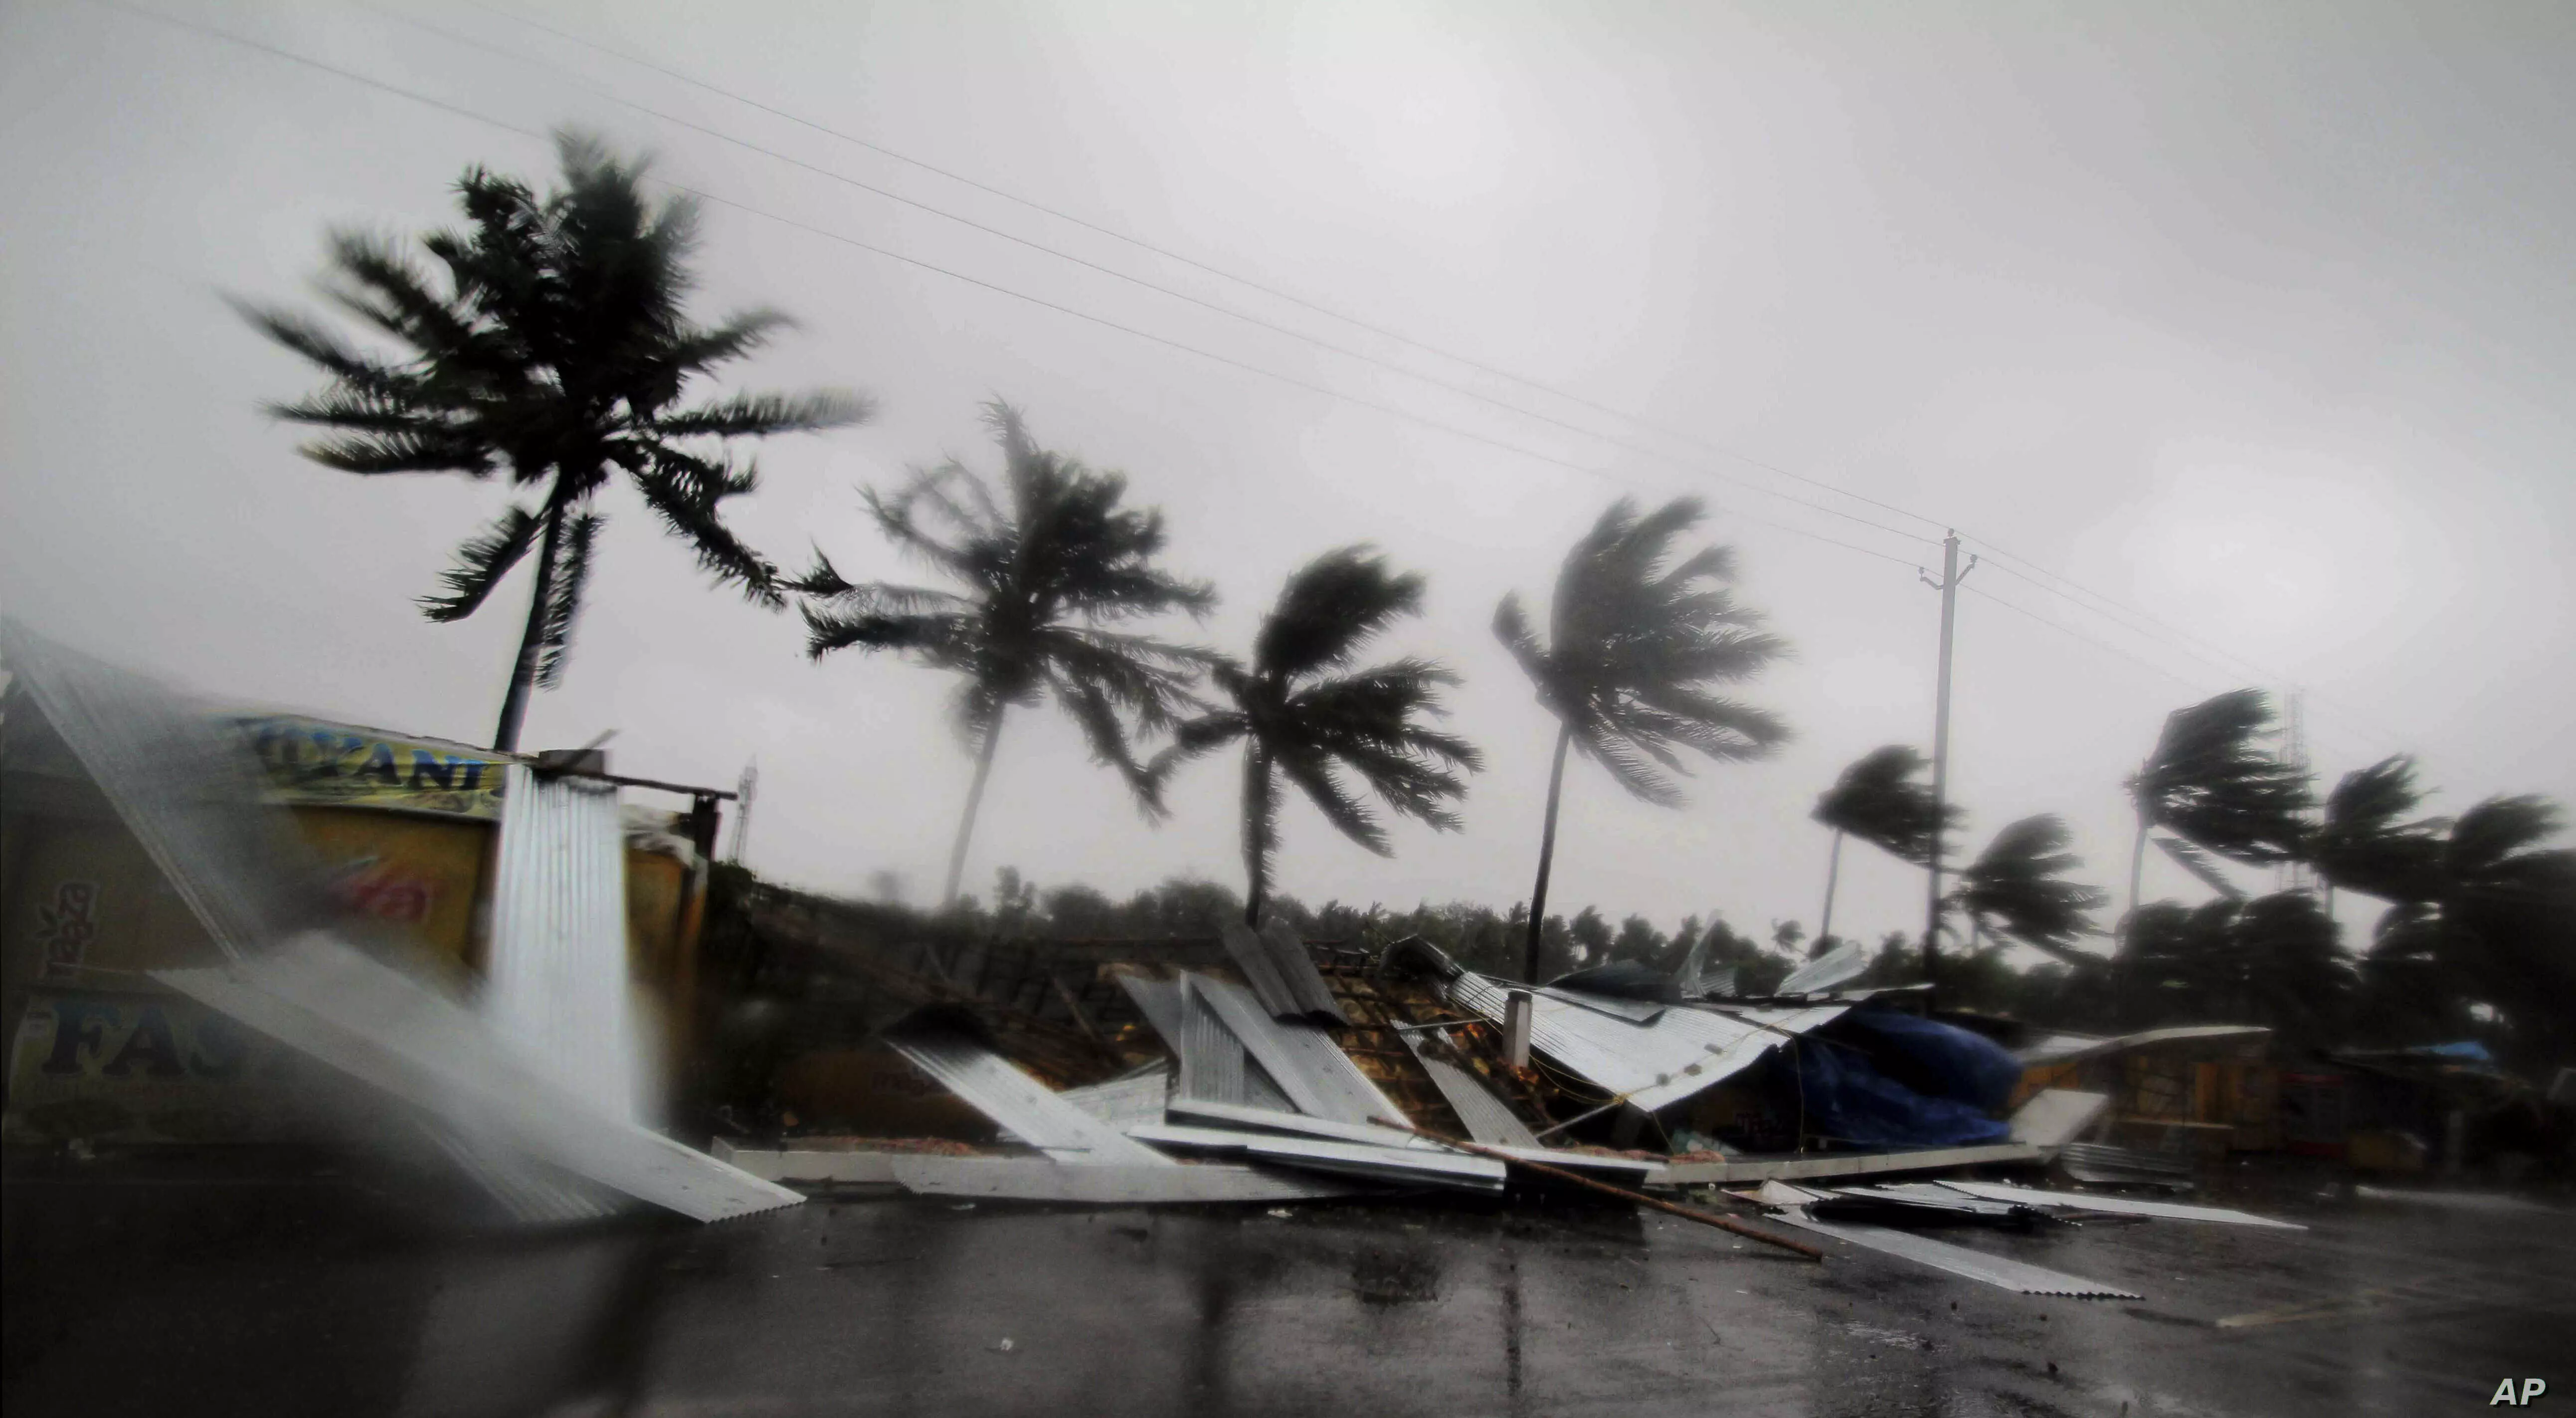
(2211, 782)
(2371, 841)
(552, 346)
(1881, 800)
(1047, 566)
(1302, 711)
(2017, 888)
(1637, 643)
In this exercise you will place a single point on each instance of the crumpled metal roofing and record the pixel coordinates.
(1486, 1118)
(1281, 973)
(1314, 1073)
(1959, 1260)
(1033, 1113)
(1681, 1051)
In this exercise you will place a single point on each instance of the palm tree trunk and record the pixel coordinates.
(1546, 855)
(1256, 832)
(974, 801)
(1833, 873)
(532, 641)
(2137, 869)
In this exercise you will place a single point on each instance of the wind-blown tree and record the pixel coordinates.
(1047, 566)
(1882, 800)
(2017, 887)
(2211, 783)
(2271, 960)
(551, 346)
(2503, 930)
(2372, 842)
(1303, 712)
(1637, 644)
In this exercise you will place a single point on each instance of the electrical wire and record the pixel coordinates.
(1220, 272)
(2067, 590)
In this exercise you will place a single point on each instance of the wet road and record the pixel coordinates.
(257, 1298)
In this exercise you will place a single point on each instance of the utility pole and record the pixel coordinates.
(742, 811)
(1951, 575)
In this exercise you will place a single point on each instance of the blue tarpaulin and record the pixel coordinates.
(1950, 1080)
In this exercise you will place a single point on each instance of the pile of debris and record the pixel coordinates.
(1254, 1068)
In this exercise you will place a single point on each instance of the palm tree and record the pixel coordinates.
(2211, 783)
(552, 346)
(1880, 800)
(2370, 841)
(1046, 565)
(2016, 888)
(1302, 711)
(1636, 644)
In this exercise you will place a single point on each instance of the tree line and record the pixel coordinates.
(547, 342)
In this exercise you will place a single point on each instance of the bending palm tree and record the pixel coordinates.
(1302, 711)
(554, 347)
(2211, 783)
(1634, 649)
(2371, 842)
(1878, 800)
(1046, 566)
(2016, 888)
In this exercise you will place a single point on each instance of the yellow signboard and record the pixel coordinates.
(312, 762)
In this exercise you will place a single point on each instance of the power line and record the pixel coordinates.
(1220, 272)
(2065, 587)
(1218, 307)
(891, 254)
(1133, 331)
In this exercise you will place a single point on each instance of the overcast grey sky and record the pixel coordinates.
(2254, 318)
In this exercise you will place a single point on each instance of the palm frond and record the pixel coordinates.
(2016, 888)
(1882, 800)
(1329, 608)
(1313, 775)
(763, 415)
(563, 598)
(2211, 782)
(686, 491)
(481, 563)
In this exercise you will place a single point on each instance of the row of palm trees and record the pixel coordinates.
(549, 344)
(2478, 908)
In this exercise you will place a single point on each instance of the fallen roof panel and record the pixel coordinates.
(1037, 1179)
(2118, 1205)
(1846, 1164)
(2068, 1048)
(1961, 1261)
(1000, 1091)
(1402, 1166)
(376, 1024)
(1656, 1064)
(1308, 1066)
(2055, 1117)
(1485, 1116)
(1138, 1098)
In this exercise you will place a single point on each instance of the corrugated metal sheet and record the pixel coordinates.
(2056, 1116)
(1275, 963)
(1846, 961)
(1271, 1120)
(1124, 1101)
(1684, 1050)
(188, 790)
(1300, 1057)
(1487, 1119)
(1847, 1164)
(556, 984)
(1635, 1011)
(999, 1091)
(2117, 1205)
(394, 1033)
(1402, 1166)
(1959, 1260)
(1035, 1179)
(1158, 1000)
